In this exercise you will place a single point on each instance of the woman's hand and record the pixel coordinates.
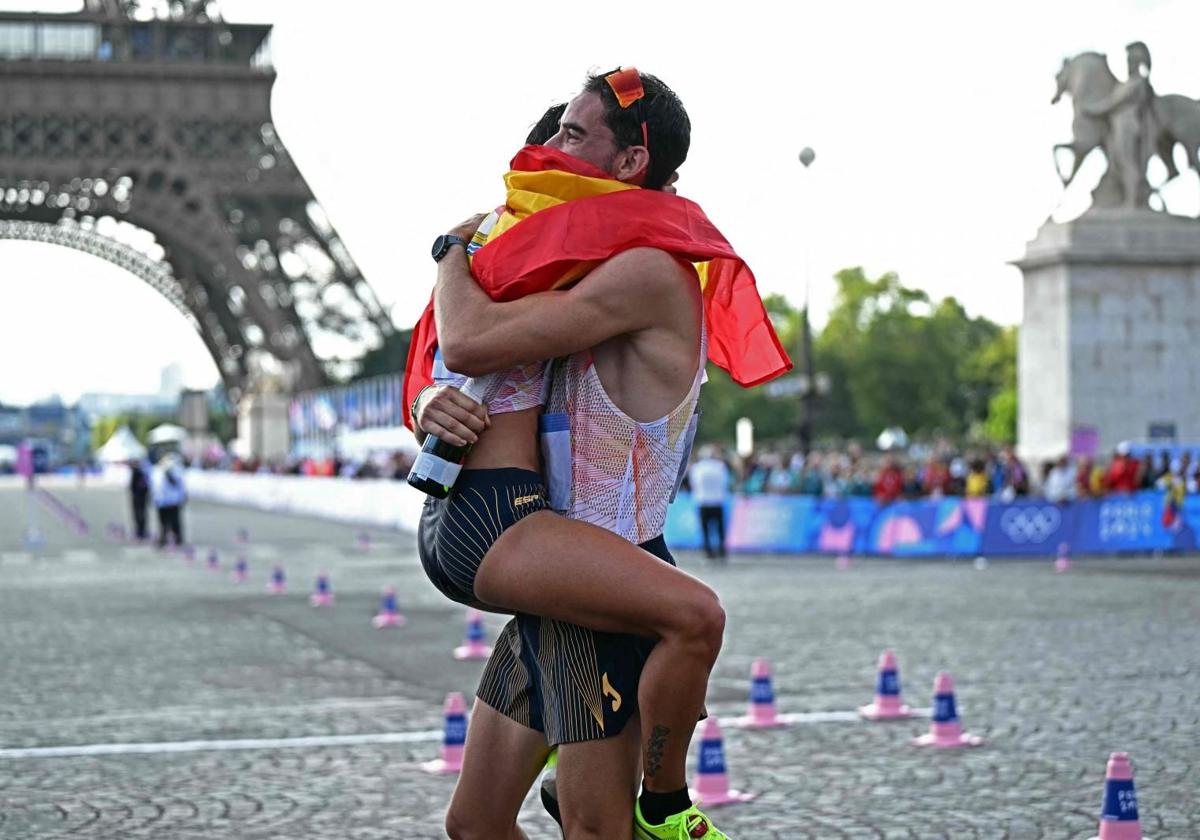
(449, 414)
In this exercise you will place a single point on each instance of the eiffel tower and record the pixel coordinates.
(114, 120)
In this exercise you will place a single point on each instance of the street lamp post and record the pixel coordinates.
(807, 156)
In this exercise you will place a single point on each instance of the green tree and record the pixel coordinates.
(993, 370)
(902, 360)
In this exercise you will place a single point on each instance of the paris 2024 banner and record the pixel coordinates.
(949, 526)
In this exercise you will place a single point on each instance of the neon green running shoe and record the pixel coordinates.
(691, 824)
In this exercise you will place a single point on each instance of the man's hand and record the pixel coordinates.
(465, 230)
(447, 413)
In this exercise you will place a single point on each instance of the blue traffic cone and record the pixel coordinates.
(1119, 814)
(454, 738)
(475, 647)
(323, 593)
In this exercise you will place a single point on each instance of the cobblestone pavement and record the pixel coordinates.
(103, 643)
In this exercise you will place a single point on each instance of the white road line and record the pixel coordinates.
(16, 558)
(428, 735)
(223, 746)
(80, 555)
(797, 717)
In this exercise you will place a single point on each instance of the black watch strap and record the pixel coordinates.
(443, 244)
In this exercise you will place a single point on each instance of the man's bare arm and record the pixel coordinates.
(477, 335)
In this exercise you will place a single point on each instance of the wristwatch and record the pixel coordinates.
(443, 244)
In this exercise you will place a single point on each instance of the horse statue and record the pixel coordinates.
(1089, 82)
(1178, 118)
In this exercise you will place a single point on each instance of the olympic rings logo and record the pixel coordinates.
(1030, 523)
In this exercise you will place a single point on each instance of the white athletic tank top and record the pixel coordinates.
(503, 392)
(624, 473)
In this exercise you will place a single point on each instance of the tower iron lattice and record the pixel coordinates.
(114, 120)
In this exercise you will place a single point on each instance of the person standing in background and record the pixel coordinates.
(169, 496)
(709, 479)
(1122, 476)
(139, 495)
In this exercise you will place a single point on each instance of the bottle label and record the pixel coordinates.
(436, 469)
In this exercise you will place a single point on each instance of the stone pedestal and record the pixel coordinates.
(1110, 343)
(263, 425)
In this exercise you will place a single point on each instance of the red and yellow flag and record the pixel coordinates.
(563, 217)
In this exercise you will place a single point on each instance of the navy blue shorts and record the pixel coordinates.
(569, 682)
(456, 532)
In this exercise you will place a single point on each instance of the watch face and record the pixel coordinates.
(440, 246)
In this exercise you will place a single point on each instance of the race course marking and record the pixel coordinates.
(158, 748)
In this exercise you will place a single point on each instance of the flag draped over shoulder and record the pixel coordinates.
(563, 216)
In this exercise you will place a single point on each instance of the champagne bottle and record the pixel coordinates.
(438, 464)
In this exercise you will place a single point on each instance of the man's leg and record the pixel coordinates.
(171, 518)
(704, 531)
(179, 526)
(719, 517)
(501, 761)
(162, 526)
(597, 785)
(139, 518)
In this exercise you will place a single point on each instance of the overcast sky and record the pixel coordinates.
(931, 122)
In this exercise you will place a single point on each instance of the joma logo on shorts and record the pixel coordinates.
(608, 691)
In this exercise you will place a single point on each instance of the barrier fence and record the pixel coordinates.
(790, 524)
(940, 527)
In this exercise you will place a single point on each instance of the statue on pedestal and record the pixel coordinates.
(1129, 121)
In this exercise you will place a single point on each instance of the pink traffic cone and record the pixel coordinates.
(278, 584)
(241, 570)
(843, 563)
(1062, 563)
(189, 554)
(323, 593)
(389, 613)
(763, 714)
(454, 738)
(887, 704)
(711, 784)
(1119, 814)
(945, 732)
(475, 646)
(214, 560)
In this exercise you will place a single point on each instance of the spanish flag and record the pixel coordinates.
(563, 216)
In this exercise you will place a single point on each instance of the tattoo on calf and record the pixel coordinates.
(655, 745)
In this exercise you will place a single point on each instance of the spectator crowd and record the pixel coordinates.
(944, 471)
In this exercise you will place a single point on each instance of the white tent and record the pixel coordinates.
(121, 447)
(166, 433)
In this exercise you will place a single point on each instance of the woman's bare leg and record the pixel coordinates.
(563, 569)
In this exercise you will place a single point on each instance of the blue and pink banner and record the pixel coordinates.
(943, 527)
